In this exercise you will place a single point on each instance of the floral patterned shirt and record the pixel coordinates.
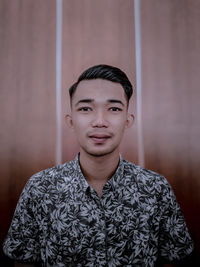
(61, 221)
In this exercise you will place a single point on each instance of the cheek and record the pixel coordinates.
(119, 123)
(80, 123)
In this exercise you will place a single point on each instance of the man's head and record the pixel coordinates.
(99, 110)
(105, 72)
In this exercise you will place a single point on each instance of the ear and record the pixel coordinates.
(69, 121)
(130, 120)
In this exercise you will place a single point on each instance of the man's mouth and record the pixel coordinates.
(99, 138)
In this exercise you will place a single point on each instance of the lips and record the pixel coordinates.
(99, 138)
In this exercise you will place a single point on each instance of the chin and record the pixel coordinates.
(100, 153)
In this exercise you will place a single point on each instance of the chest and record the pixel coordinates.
(82, 229)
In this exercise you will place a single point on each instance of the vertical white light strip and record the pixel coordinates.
(58, 82)
(139, 83)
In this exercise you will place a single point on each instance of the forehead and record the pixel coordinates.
(99, 90)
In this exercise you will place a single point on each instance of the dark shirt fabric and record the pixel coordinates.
(61, 221)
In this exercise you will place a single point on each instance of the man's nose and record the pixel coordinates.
(100, 120)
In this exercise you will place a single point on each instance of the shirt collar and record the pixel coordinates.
(114, 181)
(79, 175)
(117, 177)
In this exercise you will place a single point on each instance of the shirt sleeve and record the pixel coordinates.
(175, 242)
(22, 242)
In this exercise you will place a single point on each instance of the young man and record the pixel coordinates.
(99, 209)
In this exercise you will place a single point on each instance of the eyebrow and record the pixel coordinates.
(90, 100)
(115, 101)
(86, 100)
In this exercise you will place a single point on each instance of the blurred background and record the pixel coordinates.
(46, 44)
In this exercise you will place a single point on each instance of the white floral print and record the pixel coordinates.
(61, 221)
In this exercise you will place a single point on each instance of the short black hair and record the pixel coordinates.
(105, 72)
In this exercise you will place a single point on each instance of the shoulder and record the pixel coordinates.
(145, 179)
(151, 187)
(55, 173)
(51, 179)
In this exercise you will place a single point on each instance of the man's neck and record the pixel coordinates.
(98, 170)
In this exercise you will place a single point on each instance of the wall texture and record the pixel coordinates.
(27, 97)
(96, 32)
(170, 94)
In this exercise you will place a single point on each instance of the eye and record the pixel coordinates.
(115, 109)
(84, 109)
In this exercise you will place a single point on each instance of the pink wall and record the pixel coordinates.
(96, 32)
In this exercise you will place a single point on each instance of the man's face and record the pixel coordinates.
(99, 116)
